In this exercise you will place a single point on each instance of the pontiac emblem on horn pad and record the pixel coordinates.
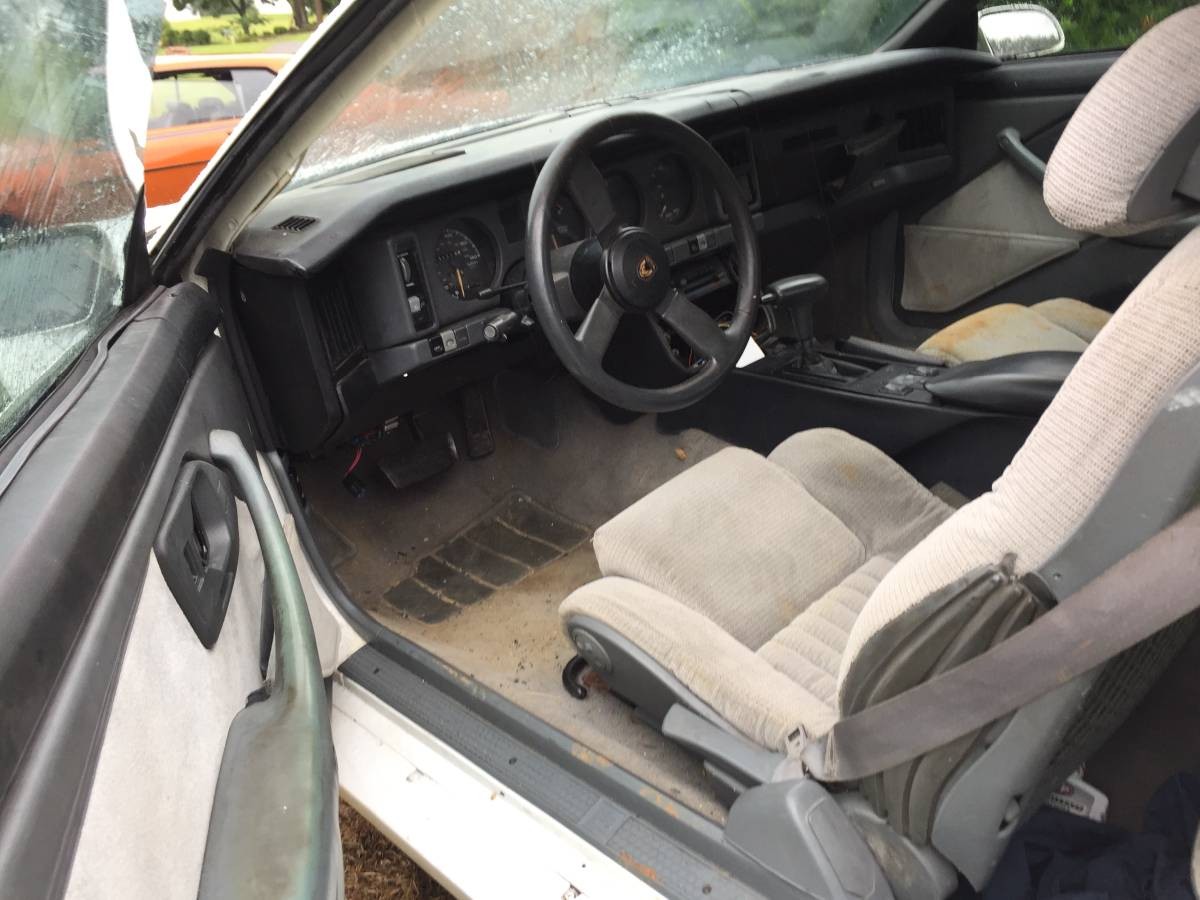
(646, 268)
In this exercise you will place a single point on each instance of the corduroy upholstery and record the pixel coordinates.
(746, 568)
(1059, 324)
(1122, 127)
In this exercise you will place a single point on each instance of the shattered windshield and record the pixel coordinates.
(469, 65)
(76, 87)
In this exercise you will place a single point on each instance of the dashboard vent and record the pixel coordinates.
(736, 151)
(294, 223)
(339, 331)
(924, 128)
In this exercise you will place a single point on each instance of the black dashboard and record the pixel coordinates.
(364, 290)
(438, 278)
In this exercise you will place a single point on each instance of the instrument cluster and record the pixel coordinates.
(468, 256)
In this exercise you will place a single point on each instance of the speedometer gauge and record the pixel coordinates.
(670, 190)
(465, 258)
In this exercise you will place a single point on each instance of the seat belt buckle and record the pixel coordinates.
(796, 741)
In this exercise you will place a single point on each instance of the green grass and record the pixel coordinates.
(227, 34)
(260, 46)
(216, 25)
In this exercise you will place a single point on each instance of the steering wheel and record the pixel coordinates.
(634, 271)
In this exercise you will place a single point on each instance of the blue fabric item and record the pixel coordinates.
(1058, 856)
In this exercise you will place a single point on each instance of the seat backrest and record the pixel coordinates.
(1135, 116)
(1121, 166)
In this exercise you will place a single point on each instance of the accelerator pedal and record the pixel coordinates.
(480, 441)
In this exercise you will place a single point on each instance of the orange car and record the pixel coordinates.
(195, 104)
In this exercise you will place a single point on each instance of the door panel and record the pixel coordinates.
(986, 236)
(989, 232)
(116, 717)
(147, 818)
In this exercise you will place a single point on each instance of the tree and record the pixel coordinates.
(245, 10)
(299, 14)
(318, 8)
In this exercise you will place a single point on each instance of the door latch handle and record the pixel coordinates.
(1025, 159)
(197, 547)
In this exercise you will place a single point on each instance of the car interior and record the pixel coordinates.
(211, 95)
(572, 512)
(664, 434)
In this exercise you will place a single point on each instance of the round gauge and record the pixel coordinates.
(625, 199)
(670, 190)
(465, 259)
(566, 222)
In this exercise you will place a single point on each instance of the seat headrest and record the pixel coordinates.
(1128, 160)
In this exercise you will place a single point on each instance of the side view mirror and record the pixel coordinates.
(69, 266)
(1020, 31)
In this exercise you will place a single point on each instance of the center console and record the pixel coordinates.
(860, 374)
(1022, 384)
(960, 424)
(1018, 384)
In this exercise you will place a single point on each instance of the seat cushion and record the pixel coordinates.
(750, 542)
(809, 649)
(1059, 324)
(1081, 319)
(738, 539)
(749, 568)
(790, 683)
(881, 504)
(740, 686)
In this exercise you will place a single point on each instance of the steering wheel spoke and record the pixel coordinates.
(589, 191)
(598, 327)
(694, 325)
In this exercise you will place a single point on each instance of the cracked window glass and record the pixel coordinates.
(72, 125)
(470, 65)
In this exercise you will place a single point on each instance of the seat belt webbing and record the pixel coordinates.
(1152, 587)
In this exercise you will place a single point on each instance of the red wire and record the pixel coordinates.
(354, 463)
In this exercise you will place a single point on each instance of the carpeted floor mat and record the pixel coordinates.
(427, 562)
(510, 542)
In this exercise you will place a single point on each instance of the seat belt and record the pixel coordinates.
(1152, 587)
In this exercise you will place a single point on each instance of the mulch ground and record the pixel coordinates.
(375, 867)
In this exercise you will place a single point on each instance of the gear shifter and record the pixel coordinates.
(795, 297)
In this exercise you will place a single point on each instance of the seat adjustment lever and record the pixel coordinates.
(728, 752)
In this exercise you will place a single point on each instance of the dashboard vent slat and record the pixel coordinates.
(335, 319)
(294, 223)
(924, 128)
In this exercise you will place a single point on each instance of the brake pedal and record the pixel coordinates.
(419, 462)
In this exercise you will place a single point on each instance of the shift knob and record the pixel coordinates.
(797, 296)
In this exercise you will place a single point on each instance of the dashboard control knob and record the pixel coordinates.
(498, 329)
